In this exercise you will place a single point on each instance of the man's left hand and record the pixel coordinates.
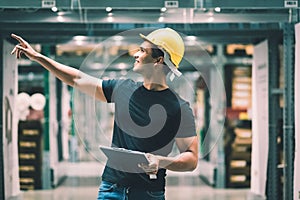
(152, 167)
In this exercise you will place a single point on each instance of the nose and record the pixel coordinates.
(136, 55)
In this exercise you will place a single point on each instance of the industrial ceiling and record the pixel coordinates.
(212, 21)
(55, 21)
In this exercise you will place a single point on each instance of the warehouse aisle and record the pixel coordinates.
(178, 188)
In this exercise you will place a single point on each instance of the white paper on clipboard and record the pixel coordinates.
(124, 155)
(125, 160)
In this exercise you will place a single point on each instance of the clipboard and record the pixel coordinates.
(125, 160)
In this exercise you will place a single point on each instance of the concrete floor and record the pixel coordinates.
(178, 188)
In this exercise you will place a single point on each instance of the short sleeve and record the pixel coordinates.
(187, 124)
(108, 88)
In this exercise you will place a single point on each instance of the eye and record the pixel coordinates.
(142, 50)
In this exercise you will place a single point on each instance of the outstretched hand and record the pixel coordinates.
(23, 48)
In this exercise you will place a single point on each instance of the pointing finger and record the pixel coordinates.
(20, 39)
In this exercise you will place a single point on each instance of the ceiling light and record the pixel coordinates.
(118, 37)
(79, 37)
(217, 9)
(54, 9)
(163, 9)
(191, 38)
(108, 9)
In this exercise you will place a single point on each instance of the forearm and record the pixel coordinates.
(186, 161)
(73, 77)
(65, 73)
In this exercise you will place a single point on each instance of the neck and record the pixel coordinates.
(155, 85)
(155, 79)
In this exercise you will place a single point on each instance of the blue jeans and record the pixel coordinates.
(111, 191)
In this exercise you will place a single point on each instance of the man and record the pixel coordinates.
(149, 116)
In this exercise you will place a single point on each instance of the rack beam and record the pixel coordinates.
(288, 111)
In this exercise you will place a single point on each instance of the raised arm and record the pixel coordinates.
(69, 75)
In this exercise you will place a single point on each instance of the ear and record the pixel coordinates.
(160, 60)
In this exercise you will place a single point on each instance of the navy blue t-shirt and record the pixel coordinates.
(146, 121)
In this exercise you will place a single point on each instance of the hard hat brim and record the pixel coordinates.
(145, 38)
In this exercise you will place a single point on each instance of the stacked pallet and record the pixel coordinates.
(241, 88)
(30, 154)
(239, 157)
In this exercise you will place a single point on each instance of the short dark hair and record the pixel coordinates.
(156, 52)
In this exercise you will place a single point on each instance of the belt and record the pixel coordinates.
(128, 187)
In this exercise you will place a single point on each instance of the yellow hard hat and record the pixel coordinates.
(170, 41)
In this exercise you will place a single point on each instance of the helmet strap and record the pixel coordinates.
(174, 70)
